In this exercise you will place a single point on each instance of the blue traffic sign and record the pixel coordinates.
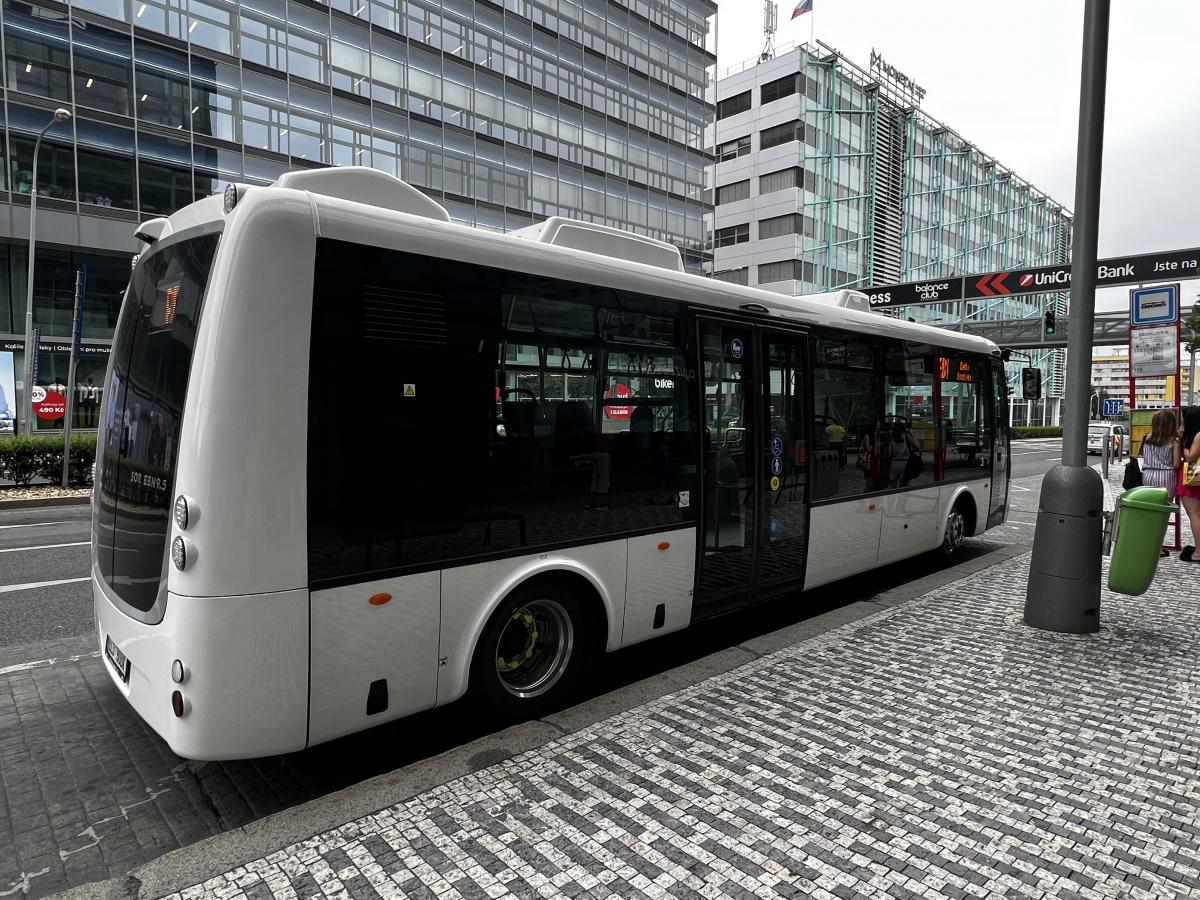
(1157, 305)
(1114, 408)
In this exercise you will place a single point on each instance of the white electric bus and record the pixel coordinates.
(355, 459)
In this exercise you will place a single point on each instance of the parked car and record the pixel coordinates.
(1120, 440)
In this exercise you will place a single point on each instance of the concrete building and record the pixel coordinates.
(504, 112)
(828, 175)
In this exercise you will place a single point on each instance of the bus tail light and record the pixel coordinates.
(181, 512)
(178, 553)
(178, 704)
(178, 672)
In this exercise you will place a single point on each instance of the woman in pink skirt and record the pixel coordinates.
(1189, 497)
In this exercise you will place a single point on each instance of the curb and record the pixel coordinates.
(190, 865)
(35, 502)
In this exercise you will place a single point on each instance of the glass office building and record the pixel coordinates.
(829, 176)
(505, 112)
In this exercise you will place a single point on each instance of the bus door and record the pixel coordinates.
(755, 485)
(1001, 456)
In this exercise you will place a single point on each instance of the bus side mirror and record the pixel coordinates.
(1031, 384)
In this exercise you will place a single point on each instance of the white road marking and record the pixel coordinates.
(45, 547)
(33, 525)
(42, 663)
(31, 585)
(1017, 487)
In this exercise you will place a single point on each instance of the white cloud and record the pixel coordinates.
(1006, 77)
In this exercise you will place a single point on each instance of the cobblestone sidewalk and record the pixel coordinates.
(941, 749)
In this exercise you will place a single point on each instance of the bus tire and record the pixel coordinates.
(955, 531)
(533, 653)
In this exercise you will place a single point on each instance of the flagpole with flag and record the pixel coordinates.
(805, 6)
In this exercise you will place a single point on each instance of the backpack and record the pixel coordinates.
(1133, 475)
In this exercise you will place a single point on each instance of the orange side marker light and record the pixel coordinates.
(664, 545)
(380, 599)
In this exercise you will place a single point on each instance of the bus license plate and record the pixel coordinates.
(117, 658)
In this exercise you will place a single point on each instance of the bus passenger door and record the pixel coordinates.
(730, 454)
(1001, 456)
(784, 451)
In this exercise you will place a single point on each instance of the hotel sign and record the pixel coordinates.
(894, 75)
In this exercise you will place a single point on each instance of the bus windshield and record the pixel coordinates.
(151, 357)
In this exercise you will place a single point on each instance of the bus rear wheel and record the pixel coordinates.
(532, 654)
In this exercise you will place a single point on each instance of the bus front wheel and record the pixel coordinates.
(955, 533)
(532, 655)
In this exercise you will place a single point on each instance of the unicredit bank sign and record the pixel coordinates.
(1144, 269)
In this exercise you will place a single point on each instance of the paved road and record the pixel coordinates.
(1032, 458)
(90, 792)
(938, 750)
(39, 546)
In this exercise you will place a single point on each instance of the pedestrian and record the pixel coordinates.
(1160, 453)
(903, 446)
(835, 436)
(1189, 484)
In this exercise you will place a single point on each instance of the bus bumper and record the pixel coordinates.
(245, 662)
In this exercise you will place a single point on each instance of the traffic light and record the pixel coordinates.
(1031, 383)
(1049, 323)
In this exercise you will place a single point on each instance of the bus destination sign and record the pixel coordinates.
(1141, 269)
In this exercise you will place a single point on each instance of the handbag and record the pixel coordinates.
(914, 467)
(1191, 474)
(1133, 475)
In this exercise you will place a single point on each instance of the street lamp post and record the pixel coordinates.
(60, 115)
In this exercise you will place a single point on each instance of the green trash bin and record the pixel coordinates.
(1142, 517)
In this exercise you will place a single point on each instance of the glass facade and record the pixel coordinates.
(855, 187)
(504, 112)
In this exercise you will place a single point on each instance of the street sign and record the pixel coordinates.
(1154, 306)
(1114, 408)
(1153, 351)
(1145, 268)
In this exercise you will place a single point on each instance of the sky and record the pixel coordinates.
(1005, 76)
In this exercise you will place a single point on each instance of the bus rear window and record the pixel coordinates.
(152, 356)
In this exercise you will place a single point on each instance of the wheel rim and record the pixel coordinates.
(954, 532)
(534, 648)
